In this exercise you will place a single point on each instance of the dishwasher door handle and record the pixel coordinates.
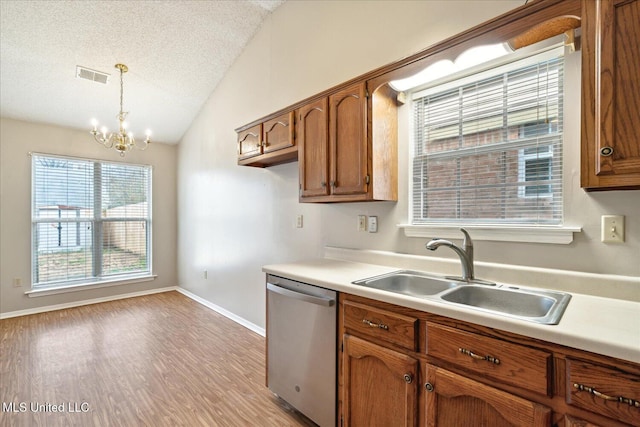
(327, 302)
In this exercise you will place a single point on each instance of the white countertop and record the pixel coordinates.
(601, 325)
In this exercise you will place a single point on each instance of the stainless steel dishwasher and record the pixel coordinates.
(301, 347)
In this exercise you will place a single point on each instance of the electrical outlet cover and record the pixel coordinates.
(373, 224)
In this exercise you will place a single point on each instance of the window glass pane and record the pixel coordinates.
(91, 220)
(490, 151)
(124, 191)
(63, 251)
(62, 187)
(124, 247)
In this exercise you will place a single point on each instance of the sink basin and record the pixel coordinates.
(408, 282)
(535, 305)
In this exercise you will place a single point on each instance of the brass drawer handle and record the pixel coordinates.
(593, 391)
(491, 359)
(375, 325)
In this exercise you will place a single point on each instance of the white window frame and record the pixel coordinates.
(97, 279)
(554, 234)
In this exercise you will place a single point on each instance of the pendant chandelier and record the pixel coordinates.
(122, 141)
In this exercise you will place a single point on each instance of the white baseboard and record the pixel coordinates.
(255, 328)
(226, 313)
(84, 302)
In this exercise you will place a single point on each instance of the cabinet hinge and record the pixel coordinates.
(367, 179)
(342, 347)
(341, 421)
(366, 93)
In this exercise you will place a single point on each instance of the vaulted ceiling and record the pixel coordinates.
(176, 51)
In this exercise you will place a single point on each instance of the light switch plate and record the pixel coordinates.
(612, 230)
(299, 221)
(373, 224)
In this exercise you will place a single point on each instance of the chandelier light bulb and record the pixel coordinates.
(120, 140)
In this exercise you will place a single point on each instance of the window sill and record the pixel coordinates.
(560, 235)
(86, 286)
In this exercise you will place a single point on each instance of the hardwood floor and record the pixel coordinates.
(157, 360)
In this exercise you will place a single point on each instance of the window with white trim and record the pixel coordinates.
(488, 147)
(91, 221)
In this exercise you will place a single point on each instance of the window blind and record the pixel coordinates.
(91, 220)
(488, 147)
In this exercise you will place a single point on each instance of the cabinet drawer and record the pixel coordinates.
(382, 324)
(606, 391)
(491, 358)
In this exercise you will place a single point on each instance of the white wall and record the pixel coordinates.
(17, 139)
(233, 220)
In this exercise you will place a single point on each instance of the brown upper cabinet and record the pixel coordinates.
(249, 143)
(610, 94)
(353, 157)
(269, 143)
(339, 158)
(348, 151)
(313, 148)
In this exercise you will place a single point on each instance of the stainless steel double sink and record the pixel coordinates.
(534, 305)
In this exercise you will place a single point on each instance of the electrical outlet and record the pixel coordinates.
(17, 282)
(205, 274)
(362, 223)
(373, 224)
(612, 229)
(299, 222)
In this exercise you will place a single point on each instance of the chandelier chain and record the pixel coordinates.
(121, 91)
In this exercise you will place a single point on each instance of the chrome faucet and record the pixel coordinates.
(466, 254)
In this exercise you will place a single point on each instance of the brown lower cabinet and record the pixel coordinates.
(370, 368)
(454, 400)
(404, 367)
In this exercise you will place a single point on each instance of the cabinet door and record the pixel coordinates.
(278, 133)
(453, 400)
(313, 145)
(380, 385)
(348, 140)
(610, 94)
(250, 142)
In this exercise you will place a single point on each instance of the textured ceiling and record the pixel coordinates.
(176, 51)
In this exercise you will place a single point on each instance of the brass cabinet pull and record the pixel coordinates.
(375, 325)
(491, 359)
(408, 378)
(429, 387)
(593, 391)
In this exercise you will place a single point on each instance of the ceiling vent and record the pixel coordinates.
(93, 75)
